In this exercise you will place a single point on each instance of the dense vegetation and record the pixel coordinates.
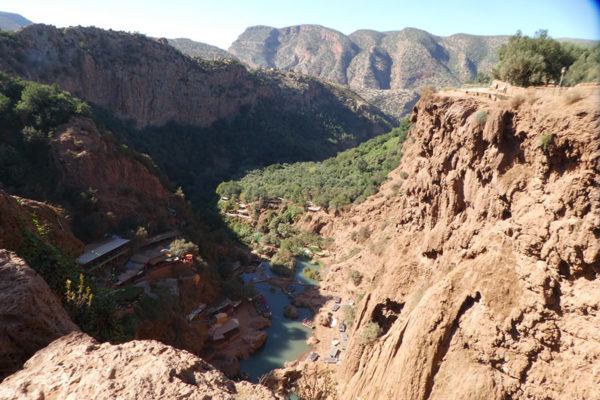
(198, 159)
(526, 61)
(29, 113)
(92, 308)
(349, 177)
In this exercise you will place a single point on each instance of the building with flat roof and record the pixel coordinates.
(107, 252)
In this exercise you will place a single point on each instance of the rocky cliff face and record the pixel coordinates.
(31, 316)
(123, 183)
(481, 262)
(385, 67)
(76, 366)
(149, 81)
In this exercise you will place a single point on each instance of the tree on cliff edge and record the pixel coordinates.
(528, 61)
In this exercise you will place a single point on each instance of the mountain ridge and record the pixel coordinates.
(12, 21)
(386, 68)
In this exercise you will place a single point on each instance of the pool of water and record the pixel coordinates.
(286, 339)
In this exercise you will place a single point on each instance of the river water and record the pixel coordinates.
(286, 339)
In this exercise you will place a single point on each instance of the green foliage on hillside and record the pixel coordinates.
(586, 67)
(29, 113)
(349, 177)
(526, 61)
(89, 306)
(200, 158)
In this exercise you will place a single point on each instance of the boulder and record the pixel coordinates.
(31, 316)
(290, 312)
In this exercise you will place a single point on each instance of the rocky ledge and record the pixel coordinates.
(77, 367)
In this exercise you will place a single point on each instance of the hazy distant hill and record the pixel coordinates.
(199, 49)
(583, 42)
(12, 22)
(386, 67)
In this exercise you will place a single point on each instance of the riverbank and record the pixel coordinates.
(286, 338)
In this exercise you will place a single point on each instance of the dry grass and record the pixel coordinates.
(427, 91)
(516, 101)
(572, 96)
(532, 97)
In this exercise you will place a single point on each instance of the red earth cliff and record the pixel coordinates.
(18, 215)
(481, 260)
(123, 182)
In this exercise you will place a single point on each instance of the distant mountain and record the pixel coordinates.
(385, 67)
(583, 42)
(199, 49)
(12, 22)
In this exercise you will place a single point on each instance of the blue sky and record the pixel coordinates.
(219, 22)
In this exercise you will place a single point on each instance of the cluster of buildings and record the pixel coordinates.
(115, 260)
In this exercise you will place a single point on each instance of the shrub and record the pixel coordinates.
(370, 333)
(282, 262)
(546, 140)
(179, 247)
(356, 277)
(403, 174)
(313, 274)
(349, 314)
(361, 235)
(481, 117)
(527, 61)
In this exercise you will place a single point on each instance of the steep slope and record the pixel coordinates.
(52, 151)
(122, 183)
(199, 49)
(19, 214)
(480, 258)
(31, 316)
(383, 66)
(12, 22)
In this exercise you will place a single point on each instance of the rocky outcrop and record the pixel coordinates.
(384, 67)
(20, 215)
(31, 316)
(122, 182)
(76, 366)
(483, 264)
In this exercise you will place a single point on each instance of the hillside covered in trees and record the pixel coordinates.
(349, 177)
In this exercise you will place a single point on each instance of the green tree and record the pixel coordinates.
(180, 247)
(229, 189)
(586, 67)
(528, 61)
